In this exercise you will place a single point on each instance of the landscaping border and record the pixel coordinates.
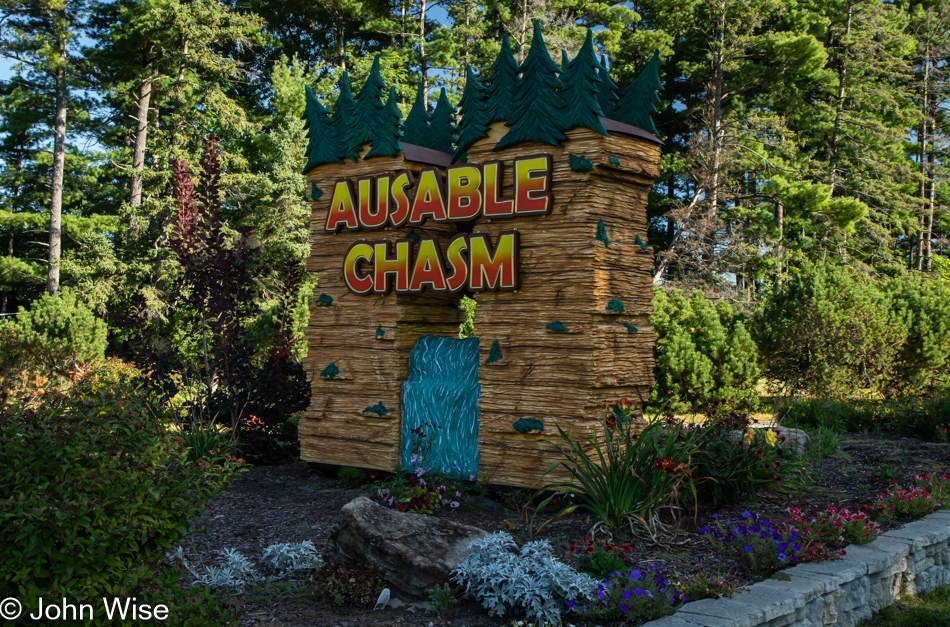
(908, 560)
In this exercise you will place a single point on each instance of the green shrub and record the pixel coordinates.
(733, 460)
(96, 490)
(923, 308)
(59, 333)
(914, 412)
(599, 564)
(829, 333)
(351, 477)
(850, 416)
(704, 354)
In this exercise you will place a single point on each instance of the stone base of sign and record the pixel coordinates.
(909, 560)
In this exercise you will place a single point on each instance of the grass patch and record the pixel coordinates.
(927, 610)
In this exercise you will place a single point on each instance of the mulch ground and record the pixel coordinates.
(292, 503)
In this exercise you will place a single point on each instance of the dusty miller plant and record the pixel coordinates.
(528, 581)
(282, 560)
(234, 571)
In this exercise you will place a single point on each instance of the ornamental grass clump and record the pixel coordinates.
(633, 595)
(757, 545)
(901, 503)
(624, 478)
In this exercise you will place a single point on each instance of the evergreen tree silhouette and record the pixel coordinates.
(367, 114)
(416, 129)
(607, 91)
(579, 89)
(537, 109)
(564, 60)
(323, 145)
(343, 112)
(387, 143)
(639, 98)
(442, 128)
(500, 85)
(473, 124)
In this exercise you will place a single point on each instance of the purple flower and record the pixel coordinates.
(705, 530)
(747, 548)
(454, 504)
(649, 594)
(570, 603)
(781, 557)
(624, 607)
(626, 595)
(638, 592)
(746, 514)
(601, 595)
(634, 575)
(715, 516)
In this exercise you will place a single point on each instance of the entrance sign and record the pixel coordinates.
(535, 206)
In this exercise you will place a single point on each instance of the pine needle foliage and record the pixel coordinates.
(473, 124)
(416, 129)
(580, 84)
(502, 79)
(323, 145)
(638, 103)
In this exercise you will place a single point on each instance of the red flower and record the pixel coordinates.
(412, 480)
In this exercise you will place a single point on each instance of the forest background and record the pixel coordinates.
(795, 132)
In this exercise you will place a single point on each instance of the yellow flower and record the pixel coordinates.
(770, 437)
(749, 435)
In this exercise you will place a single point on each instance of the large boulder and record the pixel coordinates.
(416, 551)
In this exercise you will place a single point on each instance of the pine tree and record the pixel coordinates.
(537, 109)
(473, 124)
(579, 89)
(606, 91)
(442, 128)
(417, 122)
(324, 144)
(637, 103)
(564, 60)
(343, 113)
(502, 79)
(387, 142)
(365, 126)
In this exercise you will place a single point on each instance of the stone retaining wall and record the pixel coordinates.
(908, 560)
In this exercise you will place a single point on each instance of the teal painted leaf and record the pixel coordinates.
(602, 234)
(379, 331)
(379, 409)
(614, 161)
(324, 299)
(631, 328)
(494, 354)
(556, 327)
(330, 372)
(315, 192)
(616, 306)
(412, 235)
(580, 164)
(639, 242)
(526, 425)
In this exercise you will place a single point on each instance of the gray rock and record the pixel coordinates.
(416, 551)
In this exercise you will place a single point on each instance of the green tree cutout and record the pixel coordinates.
(473, 124)
(580, 82)
(416, 129)
(343, 114)
(387, 143)
(637, 104)
(537, 109)
(323, 145)
(607, 91)
(442, 129)
(365, 125)
(502, 80)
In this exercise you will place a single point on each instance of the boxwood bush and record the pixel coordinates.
(93, 490)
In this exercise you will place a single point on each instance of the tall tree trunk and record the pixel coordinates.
(780, 246)
(839, 105)
(423, 69)
(524, 29)
(6, 294)
(929, 222)
(141, 135)
(922, 155)
(59, 154)
(716, 127)
(341, 46)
